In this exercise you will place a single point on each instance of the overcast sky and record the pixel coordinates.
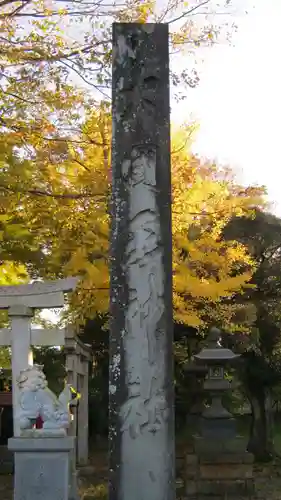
(238, 101)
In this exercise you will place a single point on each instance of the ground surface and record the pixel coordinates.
(93, 482)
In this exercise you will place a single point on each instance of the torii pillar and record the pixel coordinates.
(141, 432)
(21, 300)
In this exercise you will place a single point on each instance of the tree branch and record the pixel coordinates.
(39, 192)
(35, 103)
(42, 15)
(83, 78)
(27, 58)
(7, 2)
(81, 164)
(186, 13)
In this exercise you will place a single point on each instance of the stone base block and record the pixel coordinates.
(218, 428)
(43, 468)
(224, 471)
(226, 458)
(227, 446)
(220, 489)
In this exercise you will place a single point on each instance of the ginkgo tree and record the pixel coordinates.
(55, 64)
(54, 163)
(58, 222)
(11, 273)
(209, 271)
(66, 232)
(48, 48)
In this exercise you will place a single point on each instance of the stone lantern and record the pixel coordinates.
(218, 465)
(216, 420)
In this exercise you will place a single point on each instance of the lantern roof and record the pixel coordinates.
(214, 353)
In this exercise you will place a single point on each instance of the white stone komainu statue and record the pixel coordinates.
(37, 400)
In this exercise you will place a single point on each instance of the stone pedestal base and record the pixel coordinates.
(219, 469)
(44, 468)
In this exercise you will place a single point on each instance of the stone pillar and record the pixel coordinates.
(141, 433)
(43, 468)
(72, 379)
(78, 356)
(83, 416)
(20, 317)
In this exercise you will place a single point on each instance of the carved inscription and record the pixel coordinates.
(137, 86)
(146, 406)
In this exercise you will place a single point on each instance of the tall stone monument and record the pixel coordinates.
(141, 367)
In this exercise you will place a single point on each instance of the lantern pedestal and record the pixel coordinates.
(216, 421)
(219, 469)
(221, 428)
(218, 466)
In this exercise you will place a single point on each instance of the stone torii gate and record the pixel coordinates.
(78, 357)
(21, 301)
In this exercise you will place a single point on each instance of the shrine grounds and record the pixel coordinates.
(93, 479)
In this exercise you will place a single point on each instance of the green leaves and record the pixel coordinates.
(15, 231)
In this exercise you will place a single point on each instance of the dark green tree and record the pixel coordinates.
(261, 370)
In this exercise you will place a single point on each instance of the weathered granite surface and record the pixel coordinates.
(219, 469)
(43, 468)
(141, 431)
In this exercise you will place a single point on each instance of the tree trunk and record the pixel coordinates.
(261, 430)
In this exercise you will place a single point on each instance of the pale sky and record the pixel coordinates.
(238, 100)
